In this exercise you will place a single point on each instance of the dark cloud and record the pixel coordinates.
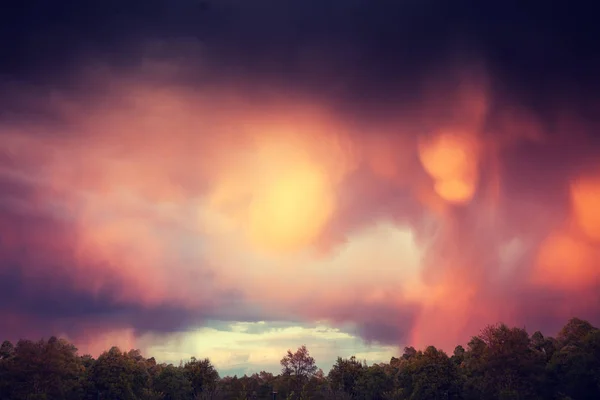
(376, 322)
(374, 52)
(388, 333)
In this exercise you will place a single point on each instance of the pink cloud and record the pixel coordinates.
(158, 198)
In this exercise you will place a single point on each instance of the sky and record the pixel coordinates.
(233, 179)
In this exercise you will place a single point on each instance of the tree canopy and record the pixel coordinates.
(500, 363)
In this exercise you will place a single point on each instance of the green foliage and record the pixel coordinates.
(120, 375)
(299, 364)
(173, 383)
(344, 375)
(373, 383)
(500, 363)
(202, 375)
(432, 375)
(42, 370)
(575, 368)
(298, 368)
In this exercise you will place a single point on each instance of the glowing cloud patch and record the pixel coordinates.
(290, 207)
(455, 190)
(565, 263)
(585, 197)
(280, 192)
(451, 159)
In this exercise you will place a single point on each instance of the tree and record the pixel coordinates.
(7, 350)
(344, 374)
(117, 375)
(575, 367)
(409, 352)
(229, 387)
(299, 364)
(43, 369)
(173, 383)
(574, 332)
(502, 364)
(203, 376)
(432, 375)
(299, 367)
(459, 355)
(373, 383)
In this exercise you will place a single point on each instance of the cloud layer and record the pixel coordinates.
(370, 164)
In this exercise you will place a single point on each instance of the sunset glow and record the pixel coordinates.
(585, 195)
(451, 160)
(230, 181)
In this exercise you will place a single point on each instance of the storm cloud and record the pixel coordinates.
(416, 168)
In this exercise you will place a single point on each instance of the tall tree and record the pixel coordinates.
(299, 367)
(203, 376)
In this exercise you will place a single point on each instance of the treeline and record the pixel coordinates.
(499, 363)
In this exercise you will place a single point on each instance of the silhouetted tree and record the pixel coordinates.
(498, 364)
(298, 367)
(203, 376)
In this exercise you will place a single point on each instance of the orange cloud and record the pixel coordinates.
(180, 197)
(568, 258)
(451, 152)
(585, 198)
(566, 262)
(281, 190)
(452, 159)
(448, 307)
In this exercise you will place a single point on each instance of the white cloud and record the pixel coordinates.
(239, 350)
